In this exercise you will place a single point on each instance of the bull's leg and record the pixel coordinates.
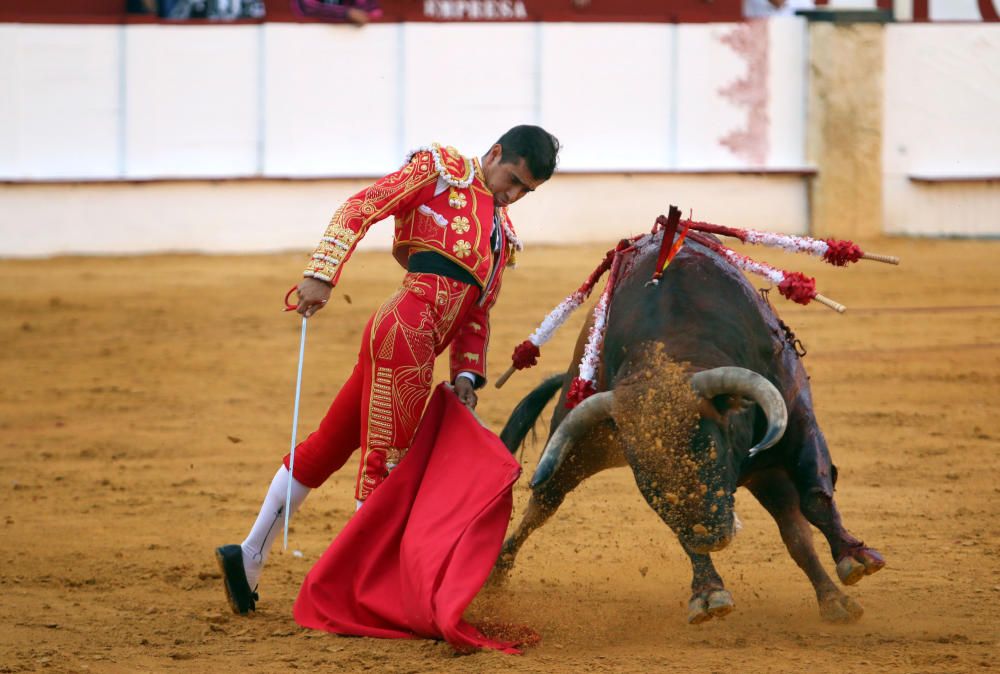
(776, 492)
(542, 505)
(853, 558)
(709, 597)
(599, 451)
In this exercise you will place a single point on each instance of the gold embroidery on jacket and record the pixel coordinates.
(363, 210)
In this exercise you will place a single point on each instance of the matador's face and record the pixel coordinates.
(509, 181)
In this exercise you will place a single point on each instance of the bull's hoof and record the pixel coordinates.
(840, 609)
(709, 604)
(858, 564)
(872, 560)
(698, 611)
(850, 570)
(720, 603)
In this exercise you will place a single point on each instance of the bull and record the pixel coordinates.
(700, 390)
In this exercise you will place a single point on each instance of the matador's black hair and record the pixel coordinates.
(538, 148)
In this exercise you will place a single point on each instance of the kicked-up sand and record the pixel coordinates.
(146, 402)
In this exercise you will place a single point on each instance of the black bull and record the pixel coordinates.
(705, 315)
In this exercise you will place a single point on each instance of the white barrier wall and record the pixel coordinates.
(331, 100)
(60, 105)
(148, 102)
(190, 101)
(941, 135)
(153, 101)
(40, 219)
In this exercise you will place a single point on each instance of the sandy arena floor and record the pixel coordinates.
(146, 403)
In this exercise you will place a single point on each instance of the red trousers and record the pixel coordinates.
(379, 407)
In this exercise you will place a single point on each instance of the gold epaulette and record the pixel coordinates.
(455, 169)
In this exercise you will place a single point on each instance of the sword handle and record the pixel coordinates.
(288, 306)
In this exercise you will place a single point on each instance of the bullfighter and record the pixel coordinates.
(454, 237)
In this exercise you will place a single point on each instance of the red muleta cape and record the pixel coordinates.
(408, 563)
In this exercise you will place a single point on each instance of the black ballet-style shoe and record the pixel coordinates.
(241, 598)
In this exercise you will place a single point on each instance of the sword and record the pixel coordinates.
(295, 415)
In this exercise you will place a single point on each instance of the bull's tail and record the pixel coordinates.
(524, 416)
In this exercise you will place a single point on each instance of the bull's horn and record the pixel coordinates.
(581, 419)
(749, 384)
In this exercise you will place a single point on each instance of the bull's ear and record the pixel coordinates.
(707, 409)
(718, 408)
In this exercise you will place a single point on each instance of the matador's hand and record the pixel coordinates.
(466, 393)
(313, 296)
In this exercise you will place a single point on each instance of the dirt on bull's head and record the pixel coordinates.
(681, 464)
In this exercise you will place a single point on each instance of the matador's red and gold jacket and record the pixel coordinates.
(441, 203)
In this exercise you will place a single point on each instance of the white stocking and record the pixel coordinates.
(270, 522)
